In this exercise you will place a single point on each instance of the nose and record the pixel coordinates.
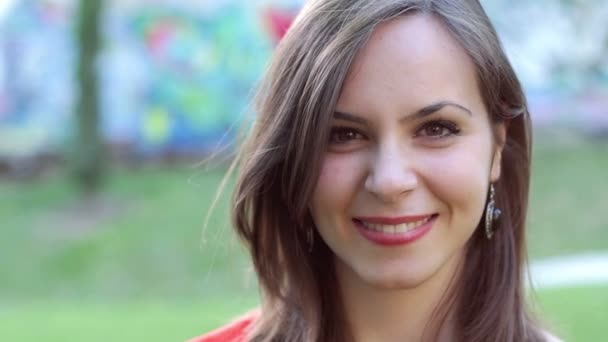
(391, 175)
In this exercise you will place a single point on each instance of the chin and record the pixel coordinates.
(395, 281)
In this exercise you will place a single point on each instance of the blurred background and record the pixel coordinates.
(118, 120)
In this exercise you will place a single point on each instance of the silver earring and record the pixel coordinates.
(492, 213)
(310, 238)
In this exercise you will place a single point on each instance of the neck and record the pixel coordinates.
(410, 314)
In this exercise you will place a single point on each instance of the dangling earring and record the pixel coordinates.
(310, 238)
(492, 213)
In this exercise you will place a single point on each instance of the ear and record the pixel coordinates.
(500, 131)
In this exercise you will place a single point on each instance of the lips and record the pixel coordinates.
(394, 220)
(396, 228)
(390, 231)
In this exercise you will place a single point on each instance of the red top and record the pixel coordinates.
(236, 331)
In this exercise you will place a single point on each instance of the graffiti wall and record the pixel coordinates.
(173, 78)
(178, 76)
(180, 81)
(36, 54)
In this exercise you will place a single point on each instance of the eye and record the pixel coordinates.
(343, 135)
(438, 129)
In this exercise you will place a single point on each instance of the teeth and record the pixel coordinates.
(395, 229)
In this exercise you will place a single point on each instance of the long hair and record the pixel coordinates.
(280, 161)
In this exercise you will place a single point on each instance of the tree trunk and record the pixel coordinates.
(88, 156)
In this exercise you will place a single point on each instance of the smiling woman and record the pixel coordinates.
(417, 181)
(388, 135)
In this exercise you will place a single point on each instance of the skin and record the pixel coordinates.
(384, 160)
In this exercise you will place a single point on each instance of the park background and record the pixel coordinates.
(103, 198)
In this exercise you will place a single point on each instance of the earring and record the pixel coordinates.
(310, 238)
(492, 213)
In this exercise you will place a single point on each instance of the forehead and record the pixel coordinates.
(413, 59)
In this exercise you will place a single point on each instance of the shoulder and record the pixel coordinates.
(236, 331)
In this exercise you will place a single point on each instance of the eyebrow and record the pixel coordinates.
(417, 115)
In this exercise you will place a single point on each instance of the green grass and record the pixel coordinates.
(576, 314)
(97, 322)
(569, 199)
(135, 264)
(149, 243)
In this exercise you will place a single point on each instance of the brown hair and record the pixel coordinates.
(280, 162)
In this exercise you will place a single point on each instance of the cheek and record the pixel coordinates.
(337, 184)
(459, 177)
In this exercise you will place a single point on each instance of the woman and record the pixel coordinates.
(383, 190)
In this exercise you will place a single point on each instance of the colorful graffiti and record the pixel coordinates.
(193, 76)
(172, 79)
(35, 84)
(179, 79)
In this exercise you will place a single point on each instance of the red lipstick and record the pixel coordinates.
(394, 238)
(392, 220)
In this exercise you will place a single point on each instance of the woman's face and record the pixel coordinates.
(405, 177)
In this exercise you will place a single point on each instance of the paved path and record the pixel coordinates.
(566, 271)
